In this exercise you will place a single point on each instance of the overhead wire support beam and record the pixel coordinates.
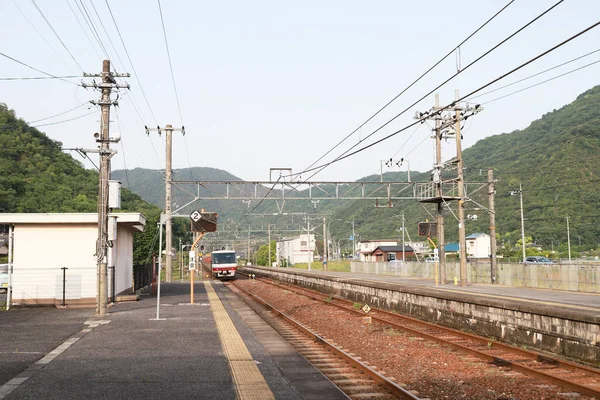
(302, 190)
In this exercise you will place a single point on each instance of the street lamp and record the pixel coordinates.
(520, 193)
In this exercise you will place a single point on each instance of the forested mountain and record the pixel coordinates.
(36, 176)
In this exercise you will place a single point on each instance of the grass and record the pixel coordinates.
(337, 265)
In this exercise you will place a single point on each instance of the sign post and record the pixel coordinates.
(201, 222)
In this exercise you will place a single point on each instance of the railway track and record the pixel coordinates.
(578, 378)
(352, 376)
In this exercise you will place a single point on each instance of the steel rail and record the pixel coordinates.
(487, 357)
(378, 378)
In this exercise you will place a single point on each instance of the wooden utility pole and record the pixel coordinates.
(491, 195)
(103, 138)
(168, 202)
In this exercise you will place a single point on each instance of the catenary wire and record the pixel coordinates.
(56, 34)
(346, 155)
(342, 156)
(412, 84)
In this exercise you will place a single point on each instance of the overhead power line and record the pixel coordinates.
(536, 74)
(56, 34)
(65, 120)
(57, 115)
(343, 155)
(82, 28)
(162, 21)
(135, 74)
(346, 155)
(542, 82)
(33, 78)
(412, 84)
(36, 69)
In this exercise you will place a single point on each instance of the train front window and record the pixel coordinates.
(223, 258)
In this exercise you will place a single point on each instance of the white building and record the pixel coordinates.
(295, 250)
(56, 252)
(478, 245)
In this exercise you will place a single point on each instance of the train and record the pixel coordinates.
(223, 263)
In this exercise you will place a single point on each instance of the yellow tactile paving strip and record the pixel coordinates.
(249, 382)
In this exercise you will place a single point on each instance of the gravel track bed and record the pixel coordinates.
(435, 371)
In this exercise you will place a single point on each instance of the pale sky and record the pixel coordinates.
(268, 84)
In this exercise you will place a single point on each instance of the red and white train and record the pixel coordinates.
(223, 263)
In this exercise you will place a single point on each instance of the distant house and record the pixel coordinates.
(419, 247)
(54, 254)
(391, 253)
(295, 250)
(478, 245)
(366, 247)
(3, 245)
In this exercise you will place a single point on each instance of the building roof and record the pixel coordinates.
(135, 220)
(476, 235)
(393, 249)
(378, 240)
(451, 247)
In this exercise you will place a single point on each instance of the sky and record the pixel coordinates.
(272, 84)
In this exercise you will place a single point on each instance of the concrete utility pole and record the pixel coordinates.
(491, 195)
(324, 243)
(437, 179)
(461, 194)
(568, 237)
(309, 248)
(103, 138)
(403, 249)
(269, 247)
(168, 203)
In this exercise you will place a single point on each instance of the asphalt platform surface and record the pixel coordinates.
(129, 354)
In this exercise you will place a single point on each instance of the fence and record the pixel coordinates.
(54, 286)
(142, 276)
(584, 277)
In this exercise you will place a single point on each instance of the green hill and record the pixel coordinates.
(37, 177)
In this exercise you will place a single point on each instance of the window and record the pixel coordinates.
(303, 243)
(391, 257)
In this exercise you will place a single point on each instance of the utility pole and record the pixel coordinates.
(269, 248)
(403, 251)
(248, 254)
(324, 243)
(309, 248)
(168, 203)
(491, 195)
(103, 138)
(461, 195)
(437, 179)
(568, 237)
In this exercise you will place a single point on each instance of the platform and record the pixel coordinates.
(562, 322)
(216, 347)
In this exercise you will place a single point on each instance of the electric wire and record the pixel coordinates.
(65, 120)
(542, 82)
(82, 28)
(56, 115)
(437, 87)
(36, 69)
(107, 35)
(346, 154)
(34, 78)
(534, 75)
(42, 37)
(88, 21)
(411, 84)
(131, 62)
(162, 21)
(56, 34)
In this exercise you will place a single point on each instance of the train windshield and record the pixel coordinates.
(223, 258)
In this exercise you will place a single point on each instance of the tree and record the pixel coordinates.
(262, 255)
